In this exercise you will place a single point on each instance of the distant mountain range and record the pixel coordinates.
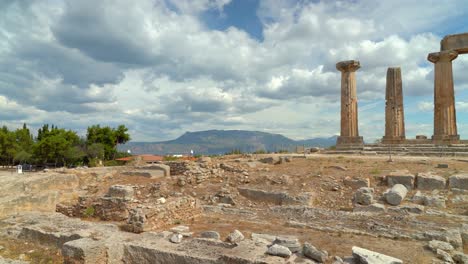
(222, 141)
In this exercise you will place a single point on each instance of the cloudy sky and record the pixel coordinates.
(163, 67)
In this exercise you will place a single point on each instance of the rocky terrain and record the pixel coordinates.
(241, 209)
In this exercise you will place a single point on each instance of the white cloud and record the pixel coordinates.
(159, 69)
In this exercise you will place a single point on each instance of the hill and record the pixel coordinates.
(223, 141)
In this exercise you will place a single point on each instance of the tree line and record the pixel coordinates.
(61, 147)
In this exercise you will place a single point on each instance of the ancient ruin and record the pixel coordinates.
(394, 112)
(349, 109)
(445, 122)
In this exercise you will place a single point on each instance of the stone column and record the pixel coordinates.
(394, 113)
(445, 122)
(349, 109)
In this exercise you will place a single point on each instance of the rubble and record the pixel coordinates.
(369, 257)
(364, 196)
(313, 253)
(401, 177)
(278, 250)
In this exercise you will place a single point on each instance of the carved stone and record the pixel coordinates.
(445, 122)
(394, 113)
(349, 110)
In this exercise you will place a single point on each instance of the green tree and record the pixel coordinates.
(54, 145)
(108, 137)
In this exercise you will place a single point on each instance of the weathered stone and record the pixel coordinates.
(460, 258)
(370, 257)
(263, 238)
(275, 197)
(85, 250)
(235, 237)
(410, 208)
(136, 222)
(356, 182)
(204, 159)
(372, 208)
(401, 177)
(445, 125)
(445, 256)
(271, 160)
(419, 198)
(457, 42)
(437, 201)
(176, 238)
(394, 112)
(210, 234)
(313, 253)
(121, 191)
(364, 196)
(442, 166)
(459, 181)
(180, 229)
(434, 245)
(290, 242)
(278, 250)
(396, 194)
(451, 236)
(429, 181)
(349, 134)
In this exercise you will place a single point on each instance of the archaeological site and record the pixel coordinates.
(397, 201)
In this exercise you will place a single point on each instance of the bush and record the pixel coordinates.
(90, 211)
(260, 151)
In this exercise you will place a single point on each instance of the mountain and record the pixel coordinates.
(223, 141)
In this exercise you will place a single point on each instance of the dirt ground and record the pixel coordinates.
(320, 175)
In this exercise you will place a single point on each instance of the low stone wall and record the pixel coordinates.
(178, 167)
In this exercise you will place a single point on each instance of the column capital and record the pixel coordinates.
(443, 56)
(348, 66)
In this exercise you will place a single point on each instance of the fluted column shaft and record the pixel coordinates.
(394, 112)
(349, 133)
(445, 121)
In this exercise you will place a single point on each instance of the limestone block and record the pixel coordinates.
(211, 235)
(121, 191)
(271, 160)
(290, 242)
(84, 251)
(356, 183)
(364, 196)
(396, 194)
(278, 250)
(401, 177)
(429, 181)
(313, 253)
(434, 245)
(459, 181)
(235, 237)
(373, 208)
(370, 257)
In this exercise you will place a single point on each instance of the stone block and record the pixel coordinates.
(356, 182)
(235, 236)
(396, 194)
(429, 181)
(401, 177)
(84, 251)
(290, 242)
(373, 208)
(211, 235)
(363, 196)
(313, 253)
(121, 191)
(459, 181)
(367, 256)
(278, 250)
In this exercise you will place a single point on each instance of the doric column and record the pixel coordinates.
(445, 121)
(349, 109)
(394, 113)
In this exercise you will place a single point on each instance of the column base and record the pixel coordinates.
(445, 139)
(393, 140)
(349, 141)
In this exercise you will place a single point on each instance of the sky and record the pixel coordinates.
(164, 67)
